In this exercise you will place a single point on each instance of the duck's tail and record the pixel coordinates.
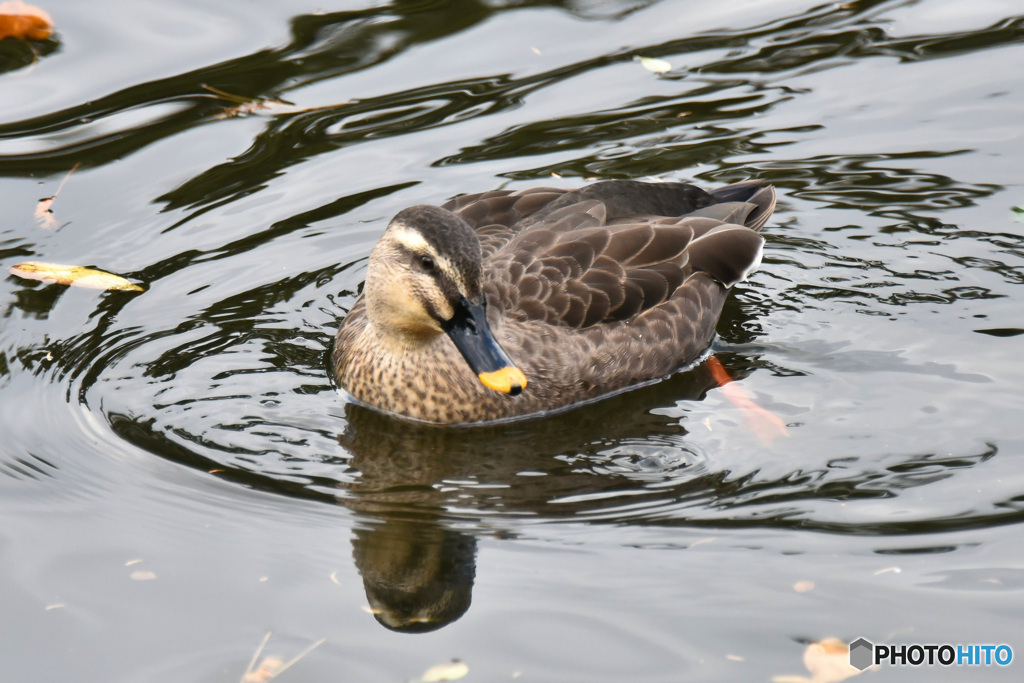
(759, 198)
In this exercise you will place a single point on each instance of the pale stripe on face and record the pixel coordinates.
(413, 241)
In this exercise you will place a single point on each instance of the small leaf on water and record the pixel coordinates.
(18, 20)
(827, 661)
(655, 65)
(452, 671)
(1018, 213)
(79, 276)
(268, 668)
(271, 667)
(245, 106)
(803, 586)
(44, 214)
(142, 575)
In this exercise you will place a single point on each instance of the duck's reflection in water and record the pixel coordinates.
(426, 492)
(418, 573)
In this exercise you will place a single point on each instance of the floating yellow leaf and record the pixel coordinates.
(18, 20)
(79, 276)
(828, 662)
(655, 65)
(451, 671)
(803, 586)
(143, 575)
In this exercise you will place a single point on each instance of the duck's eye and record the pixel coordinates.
(427, 263)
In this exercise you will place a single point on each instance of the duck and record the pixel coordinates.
(508, 304)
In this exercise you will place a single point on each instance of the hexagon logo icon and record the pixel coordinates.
(861, 653)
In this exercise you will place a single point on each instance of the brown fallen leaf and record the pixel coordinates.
(79, 276)
(827, 661)
(19, 20)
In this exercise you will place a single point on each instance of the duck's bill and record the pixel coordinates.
(469, 330)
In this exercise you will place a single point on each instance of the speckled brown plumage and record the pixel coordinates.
(589, 291)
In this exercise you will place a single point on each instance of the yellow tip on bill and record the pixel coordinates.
(508, 380)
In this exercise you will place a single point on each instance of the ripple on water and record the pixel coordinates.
(885, 279)
(191, 431)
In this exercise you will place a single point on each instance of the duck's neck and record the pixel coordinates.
(419, 377)
(401, 341)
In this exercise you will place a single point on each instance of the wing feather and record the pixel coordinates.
(585, 258)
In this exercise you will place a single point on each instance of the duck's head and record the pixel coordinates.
(424, 279)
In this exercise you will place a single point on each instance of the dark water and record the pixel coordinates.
(178, 476)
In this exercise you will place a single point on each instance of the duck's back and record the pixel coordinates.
(614, 284)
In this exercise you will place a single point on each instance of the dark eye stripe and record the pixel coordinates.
(438, 270)
(420, 259)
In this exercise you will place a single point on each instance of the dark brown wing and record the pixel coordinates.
(626, 199)
(498, 215)
(581, 264)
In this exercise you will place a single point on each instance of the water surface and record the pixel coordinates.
(179, 476)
